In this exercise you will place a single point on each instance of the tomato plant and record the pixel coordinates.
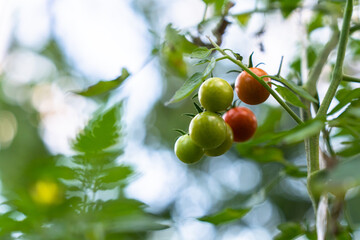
(249, 90)
(225, 146)
(187, 151)
(208, 130)
(215, 94)
(242, 122)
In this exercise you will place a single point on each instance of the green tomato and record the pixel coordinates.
(208, 130)
(187, 151)
(215, 94)
(225, 146)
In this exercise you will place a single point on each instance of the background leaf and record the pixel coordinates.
(105, 86)
(100, 133)
(289, 230)
(225, 216)
(189, 86)
(289, 96)
(200, 53)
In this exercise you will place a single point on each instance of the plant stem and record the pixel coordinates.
(337, 73)
(261, 81)
(348, 78)
(354, 28)
(205, 11)
(315, 72)
(312, 144)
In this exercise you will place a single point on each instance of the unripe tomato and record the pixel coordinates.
(225, 146)
(242, 122)
(215, 94)
(208, 130)
(249, 90)
(187, 151)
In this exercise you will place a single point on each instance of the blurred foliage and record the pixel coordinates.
(81, 195)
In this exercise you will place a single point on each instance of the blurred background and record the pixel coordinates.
(50, 49)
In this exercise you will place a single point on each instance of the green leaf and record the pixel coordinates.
(311, 57)
(295, 172)
(219, 5)
(173, 50)
(271, 117)
(344, 97)
(65, 172)
(200, 53)
(243, 19)
(101, 132)
(303, 131)
(176, 40)
(203, 61)
(250, 60)
(105, 86)
(116, 174)
(209, 68)
(299, 90)
(189, 86)
(315, 23)
(339, 179)
(289, 96)
(262, 154)
(289, 230)
(351, 149)
(225, 216)
(288, 6)
(198, 108)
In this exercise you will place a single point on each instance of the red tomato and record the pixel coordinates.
(249, 90)
(242, 122)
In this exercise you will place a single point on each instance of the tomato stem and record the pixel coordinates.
(261, 81)
(337, 74)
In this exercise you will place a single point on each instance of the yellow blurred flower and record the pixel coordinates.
(46, 192)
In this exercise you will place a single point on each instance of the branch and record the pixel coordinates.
(348, 78)
(337, 74)
(315, 72)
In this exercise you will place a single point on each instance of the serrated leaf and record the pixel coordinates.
(177, 40)
(303, 131)
(116, 174)
(209, 67)
(189, 86)
(344, 97)
(121, 206)
(225, 216)
(289, 96)
(289, 230)
(100, 133)
(105, 86)
(201, 52)
(65, 172)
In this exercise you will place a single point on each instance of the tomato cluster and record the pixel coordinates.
(213, 135)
